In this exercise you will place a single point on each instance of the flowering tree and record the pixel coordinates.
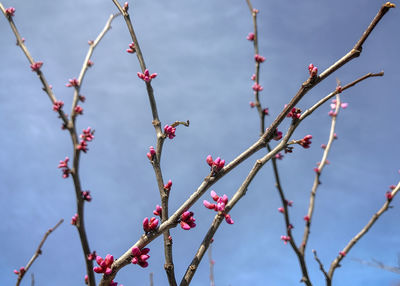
(277, 140)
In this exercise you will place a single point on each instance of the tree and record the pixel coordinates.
(118, 173)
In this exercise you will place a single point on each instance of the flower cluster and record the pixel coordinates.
(74, 219)
(149, 225)
(132, 48)
(86, 196)
(78, 110)
(295, 113)
(305, 142)
(285, 239)
(146, 76)
(72, 82)
(167, 186)
(250, 37)
(216, 165)
(158, 211)
(10, 11)
(257, 87)
(151, 153)
(104, 264)
(21, 271)
(312, 70)
(64, 166)
(140, 256)
(332, 112)
(169, 131)
(219, 206)
(259, 59)
(36, 66)
(57, 105)
(187, 220)
(86, 136)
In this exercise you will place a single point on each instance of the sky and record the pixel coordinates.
(204, 64)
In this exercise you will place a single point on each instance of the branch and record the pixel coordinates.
(36, 254)
(366, 228)
(70, 125)
(155, 161)
(321, 266)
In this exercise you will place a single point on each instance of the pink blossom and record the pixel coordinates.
(167, 186)
(281, 210)
(228, 219)
(389, 195)
(126, 6)
(342, 253)
(90, 63)
(158, 211)
(86, 196)
(58, 105)
(323, 146)
(104, 265)
(259, 59)
(74, 219)
(92, 256)
(82, 146)
(257, 87)
(312, 70)
(255, 11)
(253, 77)
(87, 134)
(64, 166)
(21, 271)
(151, 154)
(187, 220)
(169, 131)
(150, 225)
(285, 238)
(78, 110)
(72, 82)
(279, 156)
(306, 218)
(306, 141)
(277, 135)
(140, 256)
(132, 48)
(335, 136)
(252, 104)
(86, 279)
(216, 165)
(295, 113)
(10, 11)
(250, 37)
(36, 66)
(146, 76)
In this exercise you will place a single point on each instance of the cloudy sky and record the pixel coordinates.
(204, 63)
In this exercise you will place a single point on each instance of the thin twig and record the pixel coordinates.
(151, 279)
(363, 231)
(321, 266)
(211, 263)
(378, 264)
(317, 182)
(37, 253)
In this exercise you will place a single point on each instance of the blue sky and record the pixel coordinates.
(204, 63)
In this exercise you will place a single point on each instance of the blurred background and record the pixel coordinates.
(204, 64)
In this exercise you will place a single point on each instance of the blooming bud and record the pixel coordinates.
(10, 11)
(58, 105)
(168, 186)
(259, 59)
(187, 220)
(342, 253)
(151, 154)
(132, 48)
(140, 256)
(285, 238)
(257, 87)
(250, 37)
(74, 219)
(78, 110)
(228, 219)
(169, 131)
(279, 156)
(104, 265)
(158, 211)
(146, 76)
(90, 63)
(36, 66)
(72, 82)
(281, 210)
(306, 218)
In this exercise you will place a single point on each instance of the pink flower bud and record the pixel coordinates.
(250, 37)
(228, 219)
